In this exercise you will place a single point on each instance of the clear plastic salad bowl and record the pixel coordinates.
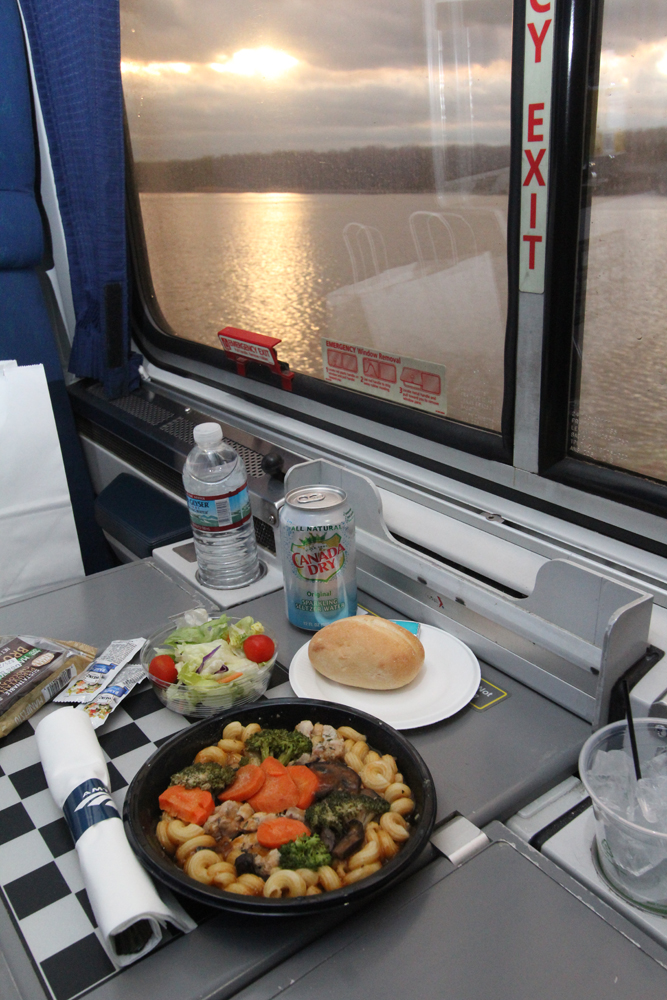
(200, 694)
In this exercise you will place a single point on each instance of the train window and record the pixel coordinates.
(334, 175)
(621, 352)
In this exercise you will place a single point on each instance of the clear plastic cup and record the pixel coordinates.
(630, 847)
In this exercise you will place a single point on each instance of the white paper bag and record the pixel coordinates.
(38, 536)
(454, 310)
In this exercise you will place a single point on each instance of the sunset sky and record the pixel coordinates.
(205, 77)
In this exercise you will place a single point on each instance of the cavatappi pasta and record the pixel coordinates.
(238, 842)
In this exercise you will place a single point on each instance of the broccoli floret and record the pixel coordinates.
(339, 809)
(305, 852)
(279, 743)
(209, 777)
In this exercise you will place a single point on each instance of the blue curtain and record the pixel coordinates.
(26, 334)
(75, 48)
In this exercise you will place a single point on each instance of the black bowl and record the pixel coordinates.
(141, 812)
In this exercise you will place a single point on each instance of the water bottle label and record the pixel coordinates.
(220, 513)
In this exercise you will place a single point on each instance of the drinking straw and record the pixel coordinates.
(631, 727)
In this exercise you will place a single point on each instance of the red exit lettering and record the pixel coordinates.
(538, 40)
(534, 164)
(532, 239)
(534, 122)
(540, 8)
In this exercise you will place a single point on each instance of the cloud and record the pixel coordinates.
(338, 34)
(358, 74)
(177, 114)
(629, 26)
(633, 87)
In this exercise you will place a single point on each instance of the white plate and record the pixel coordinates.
(446, 683)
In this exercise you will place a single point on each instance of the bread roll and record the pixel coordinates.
(366, 652)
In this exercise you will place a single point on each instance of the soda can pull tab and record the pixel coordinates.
(309, 497)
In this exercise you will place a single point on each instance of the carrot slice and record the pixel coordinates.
(273, 767)
(306, 782)
(276, 795)
(230, 677)
(192, 805)
(280, 830)
(248, 781)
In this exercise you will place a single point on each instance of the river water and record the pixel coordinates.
(279, 264)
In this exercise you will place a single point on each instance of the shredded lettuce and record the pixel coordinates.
(189, 656)
(217, 628)
(243, 628)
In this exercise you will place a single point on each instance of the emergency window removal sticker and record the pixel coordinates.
(398, 378)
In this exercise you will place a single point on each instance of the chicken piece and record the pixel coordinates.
(228, 819)
(328, 746)
(306, 729)
(295, 813)
(251, 824)
(246, 842)
(267, 863)
(254, 858)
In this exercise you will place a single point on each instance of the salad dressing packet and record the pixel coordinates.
(101, 708)
(101, 673)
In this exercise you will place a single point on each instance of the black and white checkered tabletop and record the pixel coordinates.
(40, 878)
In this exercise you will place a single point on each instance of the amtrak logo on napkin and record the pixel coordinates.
(88, 804)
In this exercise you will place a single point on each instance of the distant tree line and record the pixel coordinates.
(628, 162)
(373, 169)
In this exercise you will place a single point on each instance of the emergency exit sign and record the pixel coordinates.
(538, 60)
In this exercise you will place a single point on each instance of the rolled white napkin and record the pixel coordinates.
(121, 893)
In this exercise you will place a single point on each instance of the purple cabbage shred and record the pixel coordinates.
(207, 657)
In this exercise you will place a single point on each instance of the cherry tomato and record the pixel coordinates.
(259, 648)
(163, 668)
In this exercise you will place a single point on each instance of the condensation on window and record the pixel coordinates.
(334, 175)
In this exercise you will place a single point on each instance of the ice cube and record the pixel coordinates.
(635, 855)
(612, 778)
(657, 766)
(652, 799)
(612, 764)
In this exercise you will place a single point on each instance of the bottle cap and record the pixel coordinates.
(208, 435)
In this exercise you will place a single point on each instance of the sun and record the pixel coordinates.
(263, 61)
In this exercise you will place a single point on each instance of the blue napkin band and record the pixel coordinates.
(89, 803)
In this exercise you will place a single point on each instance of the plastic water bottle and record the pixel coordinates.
(216, 487)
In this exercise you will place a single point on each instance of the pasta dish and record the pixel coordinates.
(277, 813)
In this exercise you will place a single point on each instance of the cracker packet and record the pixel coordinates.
(32, 671)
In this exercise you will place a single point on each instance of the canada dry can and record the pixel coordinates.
(317, 540)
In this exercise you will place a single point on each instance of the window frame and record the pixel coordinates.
(578, 45)
(621, 505)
